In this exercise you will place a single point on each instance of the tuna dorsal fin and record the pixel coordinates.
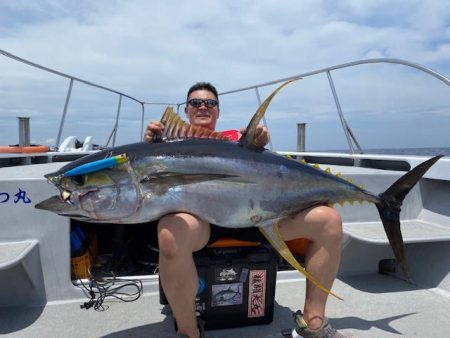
(248, 136)
(175, 128)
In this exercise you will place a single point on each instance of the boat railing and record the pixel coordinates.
(72, 79)
(353, 144)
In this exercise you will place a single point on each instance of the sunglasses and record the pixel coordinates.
(198, 102)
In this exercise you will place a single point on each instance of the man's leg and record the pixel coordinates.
(179, 235)
(322, 225)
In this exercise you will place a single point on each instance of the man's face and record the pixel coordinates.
(202, 115)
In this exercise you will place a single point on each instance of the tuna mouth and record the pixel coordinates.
(50, 176)
(77, 216)
(63, 208)
(57, 205)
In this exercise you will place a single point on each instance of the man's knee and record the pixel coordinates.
(333, 226)
(330, 221)
(180, 234)
(170, 235)
(168, 245)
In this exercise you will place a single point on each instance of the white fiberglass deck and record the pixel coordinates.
(374, 306)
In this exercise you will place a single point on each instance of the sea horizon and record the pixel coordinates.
(425, 151)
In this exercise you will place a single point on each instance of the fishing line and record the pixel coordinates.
(99, 291)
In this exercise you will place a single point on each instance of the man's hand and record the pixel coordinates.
(261, 137)
(153, 128)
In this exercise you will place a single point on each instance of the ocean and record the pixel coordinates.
(432, 151)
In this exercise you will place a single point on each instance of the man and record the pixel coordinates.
(181, 234)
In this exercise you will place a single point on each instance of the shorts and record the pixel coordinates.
(297, 246)
(251, 234)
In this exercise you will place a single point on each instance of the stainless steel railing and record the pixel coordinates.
(73, 79)
(353, 144)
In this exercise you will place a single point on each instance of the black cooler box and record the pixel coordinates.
(236, 286)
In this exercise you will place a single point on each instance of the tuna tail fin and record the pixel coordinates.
(389, 209)
(248, 136)
(275, 238)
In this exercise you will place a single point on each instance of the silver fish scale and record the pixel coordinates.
(221, 182)
(235, 192)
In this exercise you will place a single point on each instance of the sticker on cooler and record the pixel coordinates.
(256, 293)
(227, 294)
(226, 274)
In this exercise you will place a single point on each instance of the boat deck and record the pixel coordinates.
(374, 306)
(35, 249)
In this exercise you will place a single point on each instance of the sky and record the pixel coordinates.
(155, 50)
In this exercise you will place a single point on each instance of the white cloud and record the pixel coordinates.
(155, 50)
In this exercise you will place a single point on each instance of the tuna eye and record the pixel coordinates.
(79, 179)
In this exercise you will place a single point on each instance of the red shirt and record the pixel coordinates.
(232, 134)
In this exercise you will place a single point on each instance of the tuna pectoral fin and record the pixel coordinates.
(275, 238)
(389, 209)
(161, 182)
(175, 178)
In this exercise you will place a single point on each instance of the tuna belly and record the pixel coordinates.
(228, 204)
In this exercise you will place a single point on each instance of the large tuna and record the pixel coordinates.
(231, 184)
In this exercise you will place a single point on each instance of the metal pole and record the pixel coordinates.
(264, 118)
(66, 104)
(117, 120)
(341, 116)
(142, 123)
(301, 133)
(24, 136)
(24, 131)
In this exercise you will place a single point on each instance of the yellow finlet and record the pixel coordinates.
(341, 203)
(338, 175)
(316, 166)
(289, 156)
(275, 238)
(328, 170)
(302, 161)
(349, 180)
(351, 202)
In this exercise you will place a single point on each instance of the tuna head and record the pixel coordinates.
(108, 195)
